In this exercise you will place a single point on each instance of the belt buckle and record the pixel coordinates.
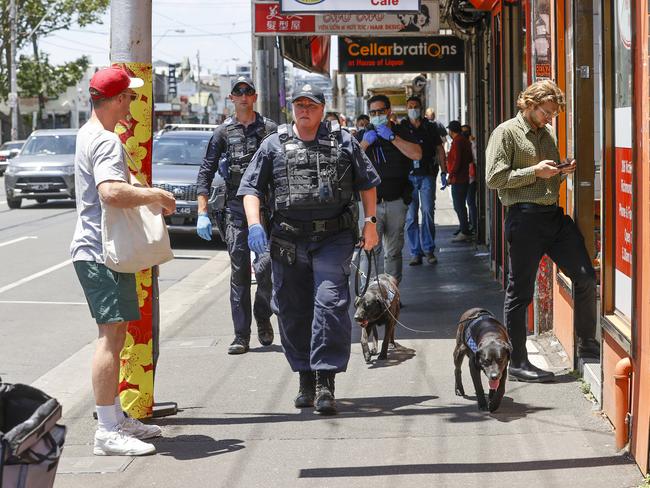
(319, 226)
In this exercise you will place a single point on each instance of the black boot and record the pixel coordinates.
(325, 403)
(307, 390)
(265, 332)
(527, 372)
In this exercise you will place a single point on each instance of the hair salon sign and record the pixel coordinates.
(322, 6)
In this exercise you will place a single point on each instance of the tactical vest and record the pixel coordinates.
(240, 151)
(312, 178)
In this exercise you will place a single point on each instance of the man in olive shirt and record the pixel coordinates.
(523, 165)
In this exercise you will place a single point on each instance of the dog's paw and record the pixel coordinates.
(492, 407)
(373, 351)
(368, 358)
(460, 392)
(382, 356)
(483, 405)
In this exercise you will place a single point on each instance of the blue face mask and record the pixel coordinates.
(414, 113)
(378, 120)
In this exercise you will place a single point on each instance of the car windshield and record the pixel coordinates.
(50, 144)
(180, 150)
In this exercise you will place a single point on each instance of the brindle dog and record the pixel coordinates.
(484, 340)
(378, 306)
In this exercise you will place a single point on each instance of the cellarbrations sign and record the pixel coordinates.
(401, 54)
(370, 6)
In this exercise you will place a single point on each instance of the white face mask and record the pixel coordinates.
(414, 113)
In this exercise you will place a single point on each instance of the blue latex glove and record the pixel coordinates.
(204, 227)
(224, 168)
(443, 179)
(257, 239)
(385, 132)
(370, 136)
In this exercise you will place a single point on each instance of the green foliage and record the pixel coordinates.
(41, 18)
(646, 482)
(45, 78)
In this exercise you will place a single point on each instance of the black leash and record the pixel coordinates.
(369, 254)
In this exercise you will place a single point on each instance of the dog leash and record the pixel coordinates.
(369, 255)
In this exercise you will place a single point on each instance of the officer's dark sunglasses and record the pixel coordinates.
(238, 91)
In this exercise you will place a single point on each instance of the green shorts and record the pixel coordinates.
(111, 296)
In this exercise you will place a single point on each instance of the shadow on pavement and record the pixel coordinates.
(271, 348)
(463, 468)
(507, 411)
(396, 356)
(348, 408)
(187, 447)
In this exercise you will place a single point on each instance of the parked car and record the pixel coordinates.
(44, 169)
(9, 150)
(177, 156)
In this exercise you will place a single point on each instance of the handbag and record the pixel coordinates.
(135, 238)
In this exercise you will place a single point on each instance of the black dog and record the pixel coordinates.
(378, 306)
(486, 343)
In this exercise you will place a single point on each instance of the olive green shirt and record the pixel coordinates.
(513, 149)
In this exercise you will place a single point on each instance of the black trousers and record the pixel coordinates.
(531, 235)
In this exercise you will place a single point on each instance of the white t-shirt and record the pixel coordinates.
(98, 158)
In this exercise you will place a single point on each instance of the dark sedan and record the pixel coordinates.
(177, 157)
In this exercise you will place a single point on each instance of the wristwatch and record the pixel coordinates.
(372, 220)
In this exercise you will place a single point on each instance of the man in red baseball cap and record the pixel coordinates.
(109, 82)
(101, 180)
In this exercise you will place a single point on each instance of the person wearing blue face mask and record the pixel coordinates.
(391, 148)
(422, 239)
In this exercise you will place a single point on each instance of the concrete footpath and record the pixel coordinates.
(399, 423)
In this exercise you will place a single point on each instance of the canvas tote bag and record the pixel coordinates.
(134, 239)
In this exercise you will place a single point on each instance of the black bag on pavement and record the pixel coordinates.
(31, 441)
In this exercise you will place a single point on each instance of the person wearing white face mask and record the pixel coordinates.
(391, 148)
(422, 238)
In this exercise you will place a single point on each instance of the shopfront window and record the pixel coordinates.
(623, 131)
(542, 20)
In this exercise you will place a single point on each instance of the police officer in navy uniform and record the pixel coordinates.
(230, 150)
(312, 171)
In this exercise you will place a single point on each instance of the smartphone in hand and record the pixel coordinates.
(564, 164)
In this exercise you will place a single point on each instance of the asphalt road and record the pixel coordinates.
(44, 318)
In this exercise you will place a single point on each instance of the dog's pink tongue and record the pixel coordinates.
(494, 384)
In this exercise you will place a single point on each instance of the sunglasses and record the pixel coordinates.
(379, 111)
(242, 90)
(548, 115)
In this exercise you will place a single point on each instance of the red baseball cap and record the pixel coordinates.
(108, 82)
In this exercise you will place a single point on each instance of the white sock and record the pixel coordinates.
(118, 410)
(106, 417)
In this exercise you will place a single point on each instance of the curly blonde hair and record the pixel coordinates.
(541, 92)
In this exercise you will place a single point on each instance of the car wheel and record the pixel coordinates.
(41, 200)
(14, 202)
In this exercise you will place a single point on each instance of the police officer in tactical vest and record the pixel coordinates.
(312, 172)
(230, 150)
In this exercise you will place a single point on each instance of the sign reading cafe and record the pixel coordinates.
(316, 6)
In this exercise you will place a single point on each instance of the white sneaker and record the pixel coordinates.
(462, 237)
(137, 429)
(118, 443)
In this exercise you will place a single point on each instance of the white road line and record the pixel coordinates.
(34, 276)
(17, 240)
(192, 256)
(3, 202)
(23, 302)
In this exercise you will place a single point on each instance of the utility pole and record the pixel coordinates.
(198, 83)
(13, 93)
(131, 49)
(267, 69)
